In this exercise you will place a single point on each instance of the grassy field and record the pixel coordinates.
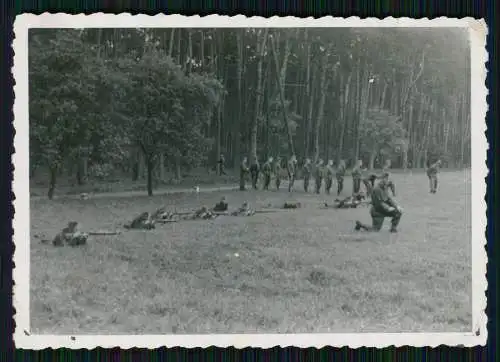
(293, 271)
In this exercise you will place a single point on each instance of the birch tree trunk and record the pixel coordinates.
(321, 105)
(281, 79)
(261, 47)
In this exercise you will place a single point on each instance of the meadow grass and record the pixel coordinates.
(303, 270)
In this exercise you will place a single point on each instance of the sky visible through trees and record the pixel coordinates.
(144, 101)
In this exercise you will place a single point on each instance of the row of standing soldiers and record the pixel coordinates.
(319, 171)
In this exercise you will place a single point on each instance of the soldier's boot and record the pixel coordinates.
(360, 226)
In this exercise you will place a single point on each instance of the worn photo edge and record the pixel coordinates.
(20, 184)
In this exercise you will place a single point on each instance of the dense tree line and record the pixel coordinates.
(143, 100)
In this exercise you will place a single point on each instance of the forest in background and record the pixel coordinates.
(142, 103)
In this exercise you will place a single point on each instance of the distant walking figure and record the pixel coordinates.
(306, 171)
(329, 171)
(356, 177)
(254, 172)
(277, 172)
(318, 175)
(292, 172)
(432, 174)
(267, 169)
(222, 162)
(340, 176)
(243, 173)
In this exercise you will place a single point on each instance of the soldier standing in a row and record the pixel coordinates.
(266, 171)
(318, 175)
(243, 173)
(386, 170)
(329, 171)
(292, 171)
(306, 171)
(340, 173)
(222, 162)
(356, 176)
(254, 172)
(277, 172)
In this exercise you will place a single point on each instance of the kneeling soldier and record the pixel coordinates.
(382, 206)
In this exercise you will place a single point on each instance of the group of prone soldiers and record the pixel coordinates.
(320, 172)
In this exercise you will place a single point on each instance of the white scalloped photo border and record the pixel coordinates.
(21, 293)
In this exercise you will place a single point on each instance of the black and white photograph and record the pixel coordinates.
(244, 181)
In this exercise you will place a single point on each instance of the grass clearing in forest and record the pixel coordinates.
(302, 270)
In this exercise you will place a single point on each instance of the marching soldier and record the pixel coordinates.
(292, 170)
(307, 170)
(266, 171)
(318, 175)
(386, 170)
(340, 173)
(382, 206)
(254, 172)
(222, 162)
(243, 173)
(356, 176)
(277, 172)
(329, 171)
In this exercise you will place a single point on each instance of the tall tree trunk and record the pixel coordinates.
(141, 166)
(150, 168)
(382, 99)
(462, 129)
(261, 47)
(321, 106)
(239, 119)
(373, 156)
(171, 45)
(307, 97)
(202, 49)
(281, 79)
(189, 61)
(344, 99)
(310, 112)
(162, 166)
(359, 109)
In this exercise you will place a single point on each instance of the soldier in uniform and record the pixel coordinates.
(386, 170)
(356, 176)
(292, 172)
(222, 162)
(432, 172)
(340, 173)
(307, 170)
(277, 172)
(254, 172)
(243, 173)
(318, 175)
(266, 171)
(368, 180)
(382, 206)
(329, 171)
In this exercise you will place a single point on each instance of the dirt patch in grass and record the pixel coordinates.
(303, 270)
